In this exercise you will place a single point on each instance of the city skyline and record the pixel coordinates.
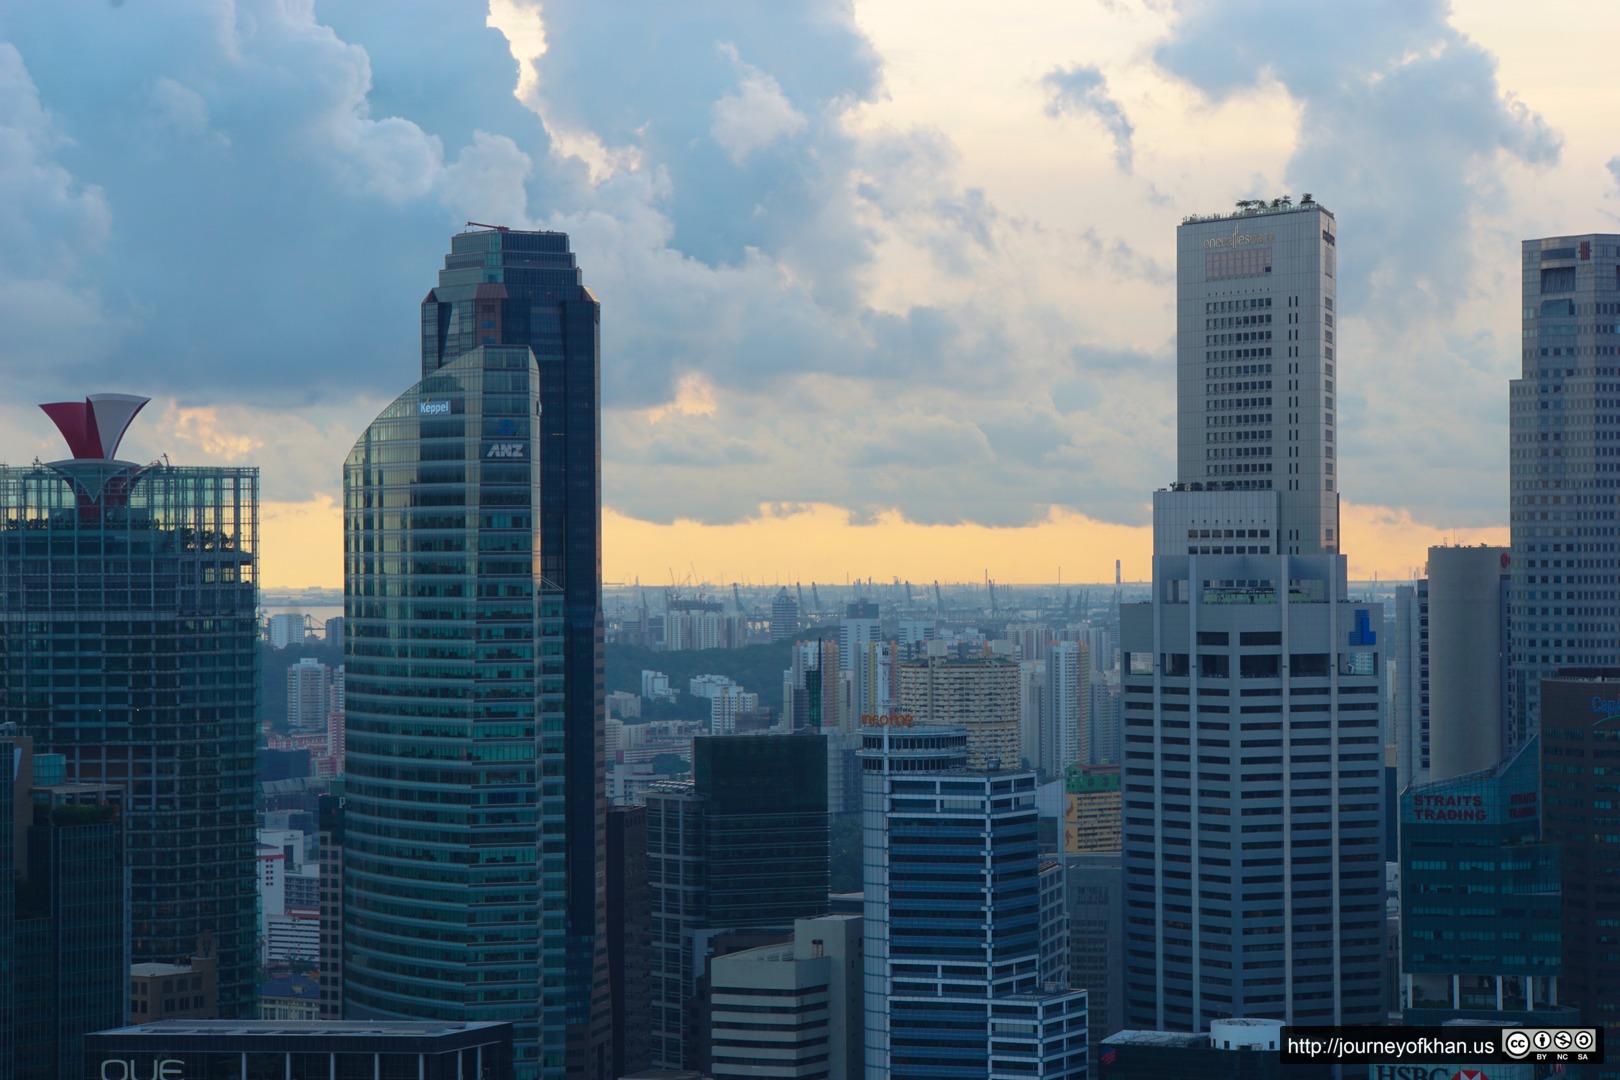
(853, 285)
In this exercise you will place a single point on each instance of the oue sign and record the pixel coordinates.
(161, 1069)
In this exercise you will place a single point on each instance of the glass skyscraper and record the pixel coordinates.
(956, 981)
(473, 651)
(129, 646)
(1564, 465)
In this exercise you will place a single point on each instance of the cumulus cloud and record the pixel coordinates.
(753, 116)
(1402, 120)
(1083, 89)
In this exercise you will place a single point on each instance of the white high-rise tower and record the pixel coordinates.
(1252, 712)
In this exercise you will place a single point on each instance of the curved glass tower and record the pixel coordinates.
(473, 652)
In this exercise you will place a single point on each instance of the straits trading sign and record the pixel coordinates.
(1448, 808)
(1240, 239)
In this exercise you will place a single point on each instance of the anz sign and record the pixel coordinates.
(505, 451)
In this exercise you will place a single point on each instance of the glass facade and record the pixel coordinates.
(1564, 465)
(505, 287)
(954, 984)
(129, 645)
(743, 845)
(1580, 780)
(455, 804)
(274, 1050)
(69, 937)
(1480, 907)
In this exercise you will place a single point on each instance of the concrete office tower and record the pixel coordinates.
(129, 645)
(742, 846)
(946, 847)
(784, 616)
(1468, 647)
(1409, 704)
(1580, 744)
(978, 693)
(1253, 693)
(1255, 383)
(472, 506)
(309, 695)
(64, 919)
(1066, 721)
(790, 1010)
(1565, 452)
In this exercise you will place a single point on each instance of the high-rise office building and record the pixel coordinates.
(1580, 750)
(129, 645)
(1409, 702)
(954, 905)
(1253, 694)
(1472, 953)
(1468, 646)
(861, 662)
(629, 929)
(741, 846)
(63, 915)
(791, 1010)
(473, 661)
(1066, 719)
(1564, 420)
(329, 954)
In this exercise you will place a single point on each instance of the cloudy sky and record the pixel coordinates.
(886, 287)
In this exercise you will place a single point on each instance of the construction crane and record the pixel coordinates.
(481, 225)
(815, 597)
(803, 611)
(737, 596)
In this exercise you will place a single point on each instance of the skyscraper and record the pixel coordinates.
(1066, 716)
(1564, 466)
(1253, 760)
(741, 846)
(129, 645)
(1468, 642)
(954, 912)
(473, 661)
(65, 964)
(1580, 740)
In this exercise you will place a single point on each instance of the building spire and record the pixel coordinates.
(95, 426)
